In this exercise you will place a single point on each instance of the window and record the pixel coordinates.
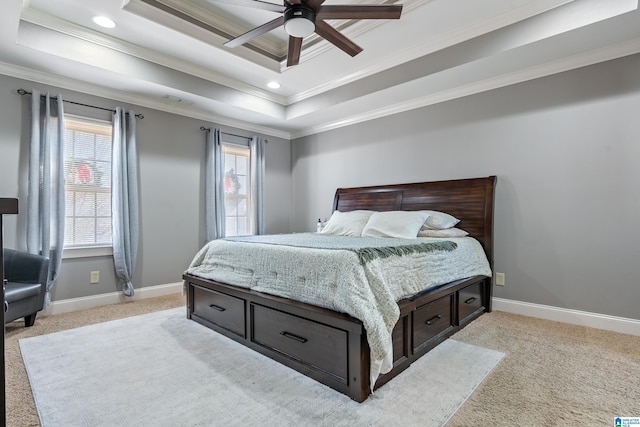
(236, 189)
(87, 169)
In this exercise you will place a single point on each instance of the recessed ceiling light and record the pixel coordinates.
(273, 85)
(103, 21)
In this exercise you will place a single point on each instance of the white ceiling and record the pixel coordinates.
(438, 50)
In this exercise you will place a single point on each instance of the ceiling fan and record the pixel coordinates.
(301, 18)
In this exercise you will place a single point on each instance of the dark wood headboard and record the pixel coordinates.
(469, 200)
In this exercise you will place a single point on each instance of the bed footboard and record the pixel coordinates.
(327, 346)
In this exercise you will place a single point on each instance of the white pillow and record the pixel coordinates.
(439, 220)
(402, 224)
(347, 223)
(449, 232)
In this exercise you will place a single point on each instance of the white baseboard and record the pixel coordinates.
(574, 317)
(82, 303)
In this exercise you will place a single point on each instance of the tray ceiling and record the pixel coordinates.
(169, 55)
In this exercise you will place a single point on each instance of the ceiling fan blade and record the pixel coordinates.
(314, 4)
(359, 12)
(258, 31)
(257, 4)
(295, 45)
(333, 36)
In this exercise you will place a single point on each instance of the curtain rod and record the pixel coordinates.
(228, 134)
(24, 92)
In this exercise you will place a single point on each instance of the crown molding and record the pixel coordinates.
(565, 64)
(460, 90)
(216, 22)
(429, 46)
(42, 19)
(142, 101)
(144, 9)
(175, 20)
(542, 70)
(200, 33)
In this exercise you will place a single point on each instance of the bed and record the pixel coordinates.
(327, 344)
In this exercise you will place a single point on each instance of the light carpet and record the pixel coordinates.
(161, 369)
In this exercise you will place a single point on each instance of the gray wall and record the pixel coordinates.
(566, 152)
(171, 161)
(565, 149)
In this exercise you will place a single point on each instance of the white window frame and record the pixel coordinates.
(243, 151)
(84, 251)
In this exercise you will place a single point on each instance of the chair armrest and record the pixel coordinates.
(25, 267)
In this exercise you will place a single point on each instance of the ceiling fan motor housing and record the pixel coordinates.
(299, 20)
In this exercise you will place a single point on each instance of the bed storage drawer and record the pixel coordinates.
(431, 319)
(470, 302)
(319, 346)
(224, 310)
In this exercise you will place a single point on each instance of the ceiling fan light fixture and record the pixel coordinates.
(299, 21)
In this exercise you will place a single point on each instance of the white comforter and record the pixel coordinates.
(326, 271)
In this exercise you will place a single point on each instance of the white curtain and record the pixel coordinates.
(214, 187)
(46, 199)
(257, 148)
(124, 197)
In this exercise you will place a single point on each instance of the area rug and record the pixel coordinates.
(161, 369)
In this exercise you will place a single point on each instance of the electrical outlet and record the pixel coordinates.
(499, 279)
(95, 277)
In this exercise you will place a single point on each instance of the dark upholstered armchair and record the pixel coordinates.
(26, 285)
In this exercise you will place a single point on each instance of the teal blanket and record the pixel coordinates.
(366, 248)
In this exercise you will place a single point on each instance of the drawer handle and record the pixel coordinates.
(470, 300)
(294, 337)
(434, 319)
(217, 307)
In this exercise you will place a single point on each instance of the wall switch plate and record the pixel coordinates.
(499, 279)
(95, 277)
